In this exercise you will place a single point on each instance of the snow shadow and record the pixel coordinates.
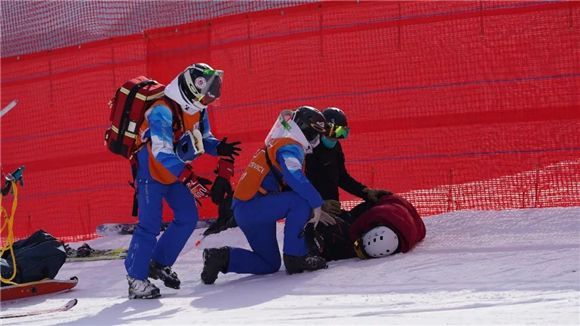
(247, 291)
(121, 313)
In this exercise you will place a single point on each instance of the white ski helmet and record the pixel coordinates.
(380, 242)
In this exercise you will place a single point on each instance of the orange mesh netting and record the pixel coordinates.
(455, 105)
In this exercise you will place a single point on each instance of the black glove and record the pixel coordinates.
(222, 186)
(228, 149)
(374, 194)
(332, 207)
(225, 218)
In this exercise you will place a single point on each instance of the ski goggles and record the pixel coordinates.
(213, 88)
(206, 100)
(338, 132)
(206, 88)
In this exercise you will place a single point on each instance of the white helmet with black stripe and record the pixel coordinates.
(196, 87)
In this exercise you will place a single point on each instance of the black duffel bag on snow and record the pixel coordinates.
(38, 257)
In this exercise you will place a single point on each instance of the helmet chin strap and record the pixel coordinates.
(315, 142)
(193, 108)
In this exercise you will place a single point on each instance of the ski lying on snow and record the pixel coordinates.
(66, 307)
(114, 229)
(33, 289)
(108, 254)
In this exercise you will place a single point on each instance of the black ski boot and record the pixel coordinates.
(299, 264)
(84, 251)
(215, 260)
(164, 273)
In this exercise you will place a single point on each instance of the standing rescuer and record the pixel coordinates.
(174, 133)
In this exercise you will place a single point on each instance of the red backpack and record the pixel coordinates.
(128, 112)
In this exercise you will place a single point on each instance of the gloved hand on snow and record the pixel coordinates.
(320, 216)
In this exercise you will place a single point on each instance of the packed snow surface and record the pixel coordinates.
(473, 268)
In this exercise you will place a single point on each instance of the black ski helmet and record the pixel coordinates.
(201, 83)
(335, 116)
(337, 123)
(310, 121)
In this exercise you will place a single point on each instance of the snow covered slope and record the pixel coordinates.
(474, 267)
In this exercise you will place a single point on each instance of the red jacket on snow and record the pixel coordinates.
(396, 213)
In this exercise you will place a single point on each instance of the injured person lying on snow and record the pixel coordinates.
(370, 230)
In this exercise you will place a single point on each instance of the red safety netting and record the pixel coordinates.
(32, 26)
(455, 105)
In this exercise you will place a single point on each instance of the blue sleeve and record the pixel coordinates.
(291, 157)
(160, 125)
(210, 143)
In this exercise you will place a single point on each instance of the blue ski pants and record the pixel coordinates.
(144, 245)
(257, 219)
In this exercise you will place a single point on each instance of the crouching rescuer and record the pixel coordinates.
(381, 225)
(274, 187)
(163, 130)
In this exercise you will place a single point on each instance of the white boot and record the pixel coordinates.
(142, 289)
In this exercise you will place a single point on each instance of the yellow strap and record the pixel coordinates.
(9, 222)
(143, 97)
(29, 283)
(359, 251)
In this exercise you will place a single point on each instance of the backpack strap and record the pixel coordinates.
(134, 167)
(178, 116)
(201, 116)
(176, 113)
(274, 171)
